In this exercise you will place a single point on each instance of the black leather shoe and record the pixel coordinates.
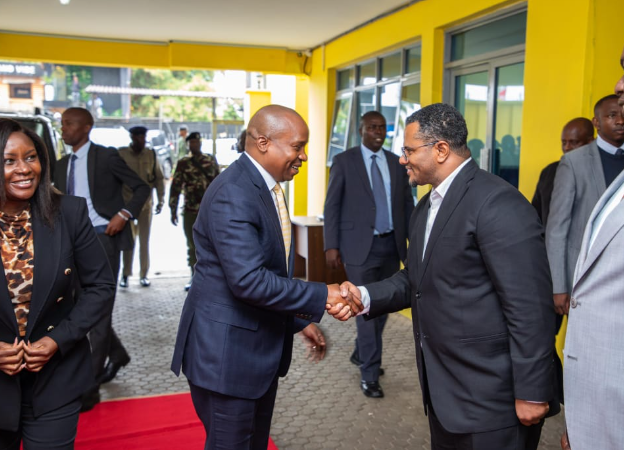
(124, 282)
(110, 371)
(89, 400)
(371, 389)
(354, 360)
(145, 282)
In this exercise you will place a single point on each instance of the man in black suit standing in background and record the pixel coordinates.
(98, 174)
(478, 281)
(367, 212)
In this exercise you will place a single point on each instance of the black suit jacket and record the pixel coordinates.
(69, 253)
(107, 173)
(544, 190)
(350, 206)
(481, 304)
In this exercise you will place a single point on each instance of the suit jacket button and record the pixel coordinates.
(418, 295)
(68, 271)
(573, 302)
(50, 328)
(59, 299)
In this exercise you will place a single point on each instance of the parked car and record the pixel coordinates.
(42, 125)
(164, 148)
(110, 137)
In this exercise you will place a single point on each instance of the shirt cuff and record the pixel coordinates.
(365, 300)
(129, 213)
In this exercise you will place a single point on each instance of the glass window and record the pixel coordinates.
(412, 59)
(497, 35)
(340, 126)
(508, 122)
(389, 102)
(471, 96)
(346, 79)
(367, 74)
(410, 103)
(365, 101)
(390, 66)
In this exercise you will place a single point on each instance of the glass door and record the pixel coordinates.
(471, 99)
(490, 97)
(508, 121)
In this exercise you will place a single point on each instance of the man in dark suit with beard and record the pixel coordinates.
(478, 282)
(98, 174)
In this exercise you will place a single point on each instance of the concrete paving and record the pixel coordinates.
(319, 406)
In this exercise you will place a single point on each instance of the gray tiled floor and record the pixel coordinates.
(319, 406)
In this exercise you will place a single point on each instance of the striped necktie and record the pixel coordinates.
(284, 219)
(71, 182)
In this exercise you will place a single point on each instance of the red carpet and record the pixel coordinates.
(166, 422)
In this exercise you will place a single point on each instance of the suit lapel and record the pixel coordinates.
(610, 227)
(358, 163)
(267, 200)
(47, 244)
(453, 196)
(597, 172)
(91, 164)
(61, 168)
(419, 239)
(7, 314)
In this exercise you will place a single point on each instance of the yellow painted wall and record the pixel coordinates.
(299, 186)
(172, 55)
(571, 61)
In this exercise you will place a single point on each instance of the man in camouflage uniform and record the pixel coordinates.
(193, 175)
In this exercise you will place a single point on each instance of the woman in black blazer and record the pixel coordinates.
(48, 249)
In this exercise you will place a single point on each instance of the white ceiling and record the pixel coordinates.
(292, 24)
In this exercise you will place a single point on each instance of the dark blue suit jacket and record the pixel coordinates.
(237, 324)
(350, 206)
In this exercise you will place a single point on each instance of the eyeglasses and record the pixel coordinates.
(407, 151)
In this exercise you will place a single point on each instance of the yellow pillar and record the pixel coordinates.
(569, 65)
(254, 100)
(322, 87)
(299, 186)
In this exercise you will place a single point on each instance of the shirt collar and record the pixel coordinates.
(268, 179)
(604, 145)
(367, 153)
(83, 151)
(443, 187)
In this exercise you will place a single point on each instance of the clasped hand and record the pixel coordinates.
(344, 301)
(24, 355)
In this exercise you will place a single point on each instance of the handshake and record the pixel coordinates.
(343, 301)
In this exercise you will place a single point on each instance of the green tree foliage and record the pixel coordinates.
(175, 108)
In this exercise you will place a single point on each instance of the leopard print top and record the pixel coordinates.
(18, 257)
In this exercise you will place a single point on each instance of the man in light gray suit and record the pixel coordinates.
(594, 355)
(367, 211)
(582, 177)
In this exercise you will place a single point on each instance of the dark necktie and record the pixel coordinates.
(70, 177)
(382, 220)
(619, 152)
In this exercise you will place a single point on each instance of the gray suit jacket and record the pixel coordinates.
(579, 183)
(594, 354)
(350, 206)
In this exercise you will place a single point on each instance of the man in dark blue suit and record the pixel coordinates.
(367, 211)
(236, 331)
